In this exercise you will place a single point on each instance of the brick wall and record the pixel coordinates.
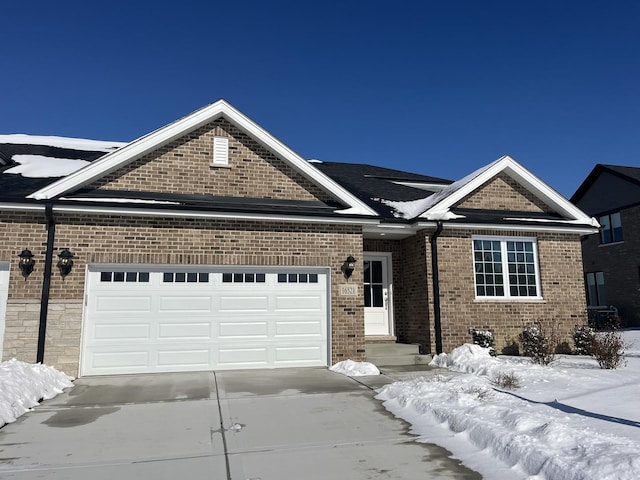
(119, 239)
(620, 264)
(562, 306)
(184, 166)
(503, 193)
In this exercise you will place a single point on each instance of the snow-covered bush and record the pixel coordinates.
(583, 336)
(483, 338)
(608, 349)
(538, 344)
(507, 381)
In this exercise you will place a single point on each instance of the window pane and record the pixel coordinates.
(260, 277)
(367, 296)
(249, 277)
(377, 295)
(293, 278)
(105, 276)
(143, 277)
(204, 278)
(227, 277)
(131, 276)
(238, 277)
(167, 277)
(282, 278)
(192, 277)
(616, 227)
(302, 278)
(313, 278)
(180, 277)
(118, 276)
(605, 232)
(367, 271)
(376, 272)
(602, 299)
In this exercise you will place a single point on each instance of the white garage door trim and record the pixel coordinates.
(168, 318)
(4, 295)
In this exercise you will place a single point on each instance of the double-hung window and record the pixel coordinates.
(595, 289)
(611, 228)
(506, 268)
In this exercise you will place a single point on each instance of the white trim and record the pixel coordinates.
(154, 140)
(388, 256)
(505, 270)
(21, 207)
(5, 271)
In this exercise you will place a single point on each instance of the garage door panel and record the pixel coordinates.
(117, 331)
(169, 331)
(185, 303)
(190, 358)
(164, 324)
(241, 303)
(299, 303)
(243, 329)
(122, 304)
(296, 328)
(242, 356)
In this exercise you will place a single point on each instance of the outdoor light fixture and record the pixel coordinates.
(348, 266)
(65, 262)
(26, 262)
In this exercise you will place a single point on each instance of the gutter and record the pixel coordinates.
(46, 282)
(436, 286)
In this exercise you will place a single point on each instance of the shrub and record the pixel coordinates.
(538, 344)
(583, 336)
(507, 381)
(608, 350)
(510, 347)
(484, 338)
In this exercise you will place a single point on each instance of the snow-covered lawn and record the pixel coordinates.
(569, 420)
(23, 385)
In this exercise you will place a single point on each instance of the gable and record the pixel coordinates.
(185, 166)
(608, 192)
(502, 192)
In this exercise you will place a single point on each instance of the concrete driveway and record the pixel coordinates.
(262, 424)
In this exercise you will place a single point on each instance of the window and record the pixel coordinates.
(373, 284)
(128, 277)
(595, 289)
(611, 228)
(297, 278)
(185, 277)
(506, 268)
(243, 277)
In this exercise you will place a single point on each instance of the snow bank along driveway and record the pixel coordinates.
(569, 420)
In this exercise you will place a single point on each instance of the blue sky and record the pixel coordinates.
(438, 88)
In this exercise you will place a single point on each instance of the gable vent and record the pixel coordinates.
(220, 151)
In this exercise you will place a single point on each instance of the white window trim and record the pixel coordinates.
(505, 269)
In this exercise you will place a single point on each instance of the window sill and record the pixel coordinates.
(215, 165)
(611, 243)
(510, 300)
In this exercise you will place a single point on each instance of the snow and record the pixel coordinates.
(355, 369)
(23, 385)
(39, 166)
(569, 420)
(62, 142)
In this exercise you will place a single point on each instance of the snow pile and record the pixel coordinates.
(61, 142)
(39, 166)
(23, 385)
(569, 420)
(355, 369)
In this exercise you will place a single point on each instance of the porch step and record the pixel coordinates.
(388, 354)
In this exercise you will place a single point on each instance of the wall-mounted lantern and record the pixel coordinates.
(348, 266)
(65, 262)
(26, 262)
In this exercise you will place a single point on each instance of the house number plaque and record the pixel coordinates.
(348, 290)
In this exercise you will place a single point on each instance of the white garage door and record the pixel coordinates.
(176, 319)
(4, 291)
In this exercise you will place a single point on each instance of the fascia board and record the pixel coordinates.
(584, 230)
(150, 212)
(22, 207)
(167, 134)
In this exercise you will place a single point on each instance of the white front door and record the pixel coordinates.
(4, 291)
(377, 294)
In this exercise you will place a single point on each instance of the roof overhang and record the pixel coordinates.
(154, 140)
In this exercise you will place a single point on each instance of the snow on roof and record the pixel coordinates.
(39, 166)
(62, 142)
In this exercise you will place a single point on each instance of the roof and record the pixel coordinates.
(630, 174)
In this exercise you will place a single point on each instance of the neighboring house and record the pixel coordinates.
(209, 244)
(612, 259)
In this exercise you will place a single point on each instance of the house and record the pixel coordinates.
(612, 259)
(209, 244)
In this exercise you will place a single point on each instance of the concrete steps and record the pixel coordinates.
(394, 354)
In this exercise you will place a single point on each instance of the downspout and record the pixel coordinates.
(46, 282)
(436, 285)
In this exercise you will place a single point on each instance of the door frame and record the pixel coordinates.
(388, 257)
